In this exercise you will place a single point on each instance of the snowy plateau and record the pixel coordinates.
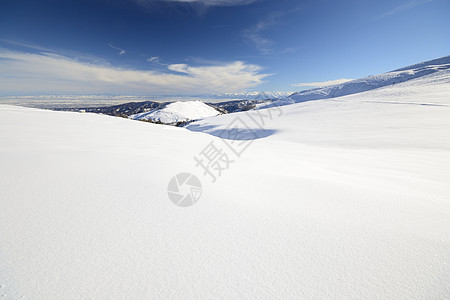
(336, 197)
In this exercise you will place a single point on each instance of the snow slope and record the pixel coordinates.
(343, 198)
(178, 112)
(367, 83)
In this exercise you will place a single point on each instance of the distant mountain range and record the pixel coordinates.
(68, 102)
(182, 112)
(251, 95)
(152, 111)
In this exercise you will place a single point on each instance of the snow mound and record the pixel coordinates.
(178, 112)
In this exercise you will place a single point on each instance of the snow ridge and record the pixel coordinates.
(367, 83)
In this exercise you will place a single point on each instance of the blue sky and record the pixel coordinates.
(148, 47)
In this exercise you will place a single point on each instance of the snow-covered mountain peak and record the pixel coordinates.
(178, 112)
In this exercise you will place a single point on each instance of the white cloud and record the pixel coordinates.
(180, 68)
(322, 83)
(121, 51)
(52, 73)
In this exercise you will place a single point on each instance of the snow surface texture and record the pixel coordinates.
(343, 198)
(366, 83)
(178, 112)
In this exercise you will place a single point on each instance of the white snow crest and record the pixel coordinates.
(178, 112)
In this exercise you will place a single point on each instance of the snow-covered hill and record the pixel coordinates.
(336, 198)
(178, 112)
(366, 83)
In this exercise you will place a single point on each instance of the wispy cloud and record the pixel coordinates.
(121, 51)
(23, 72)
(202, 2)
(255, 34)
(153, 59)
(322, 83)
(403, 7)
